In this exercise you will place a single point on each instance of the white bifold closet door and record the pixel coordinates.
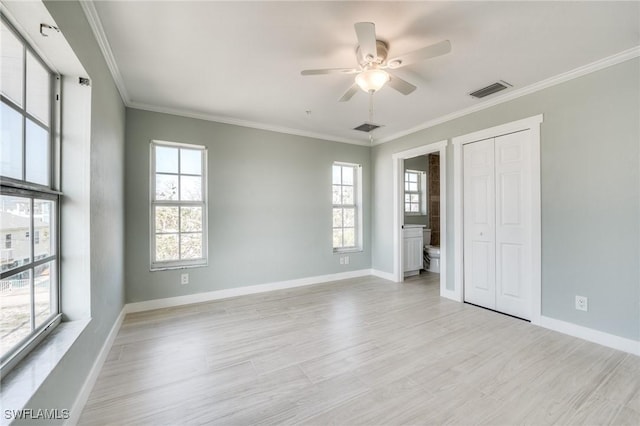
(497, 223)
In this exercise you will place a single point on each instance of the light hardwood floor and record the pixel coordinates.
(359, 351)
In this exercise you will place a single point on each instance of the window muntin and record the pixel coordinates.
(415, 188)
(29, 205)
(346, 218)
(178, 205)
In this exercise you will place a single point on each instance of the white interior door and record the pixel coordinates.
(513, 224)
(479, 224)
(497, 223)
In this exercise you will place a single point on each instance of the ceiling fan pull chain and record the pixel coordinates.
(371, 106)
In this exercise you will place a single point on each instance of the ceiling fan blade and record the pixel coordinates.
(330, 71)
(366, 33)
(401, 85)
(432, 51)
(349, 93)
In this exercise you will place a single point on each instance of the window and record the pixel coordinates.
(415, 192)
(347, 215)
(178, 205)
(28, 200)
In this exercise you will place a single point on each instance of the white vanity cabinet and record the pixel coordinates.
(412, 240)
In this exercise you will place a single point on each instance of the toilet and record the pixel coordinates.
(431, 252)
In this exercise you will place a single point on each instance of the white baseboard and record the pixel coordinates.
(384, 275)
(240, 291)
(450, 294)
(595, 336)
(87, 387)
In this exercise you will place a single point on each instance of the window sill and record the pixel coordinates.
(25, 379)
(350, 250)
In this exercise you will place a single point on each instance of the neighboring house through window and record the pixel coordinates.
(29, 202)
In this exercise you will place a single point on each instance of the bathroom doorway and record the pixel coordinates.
(420, 205)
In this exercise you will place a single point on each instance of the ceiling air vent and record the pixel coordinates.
(367, 127)
(490, 89)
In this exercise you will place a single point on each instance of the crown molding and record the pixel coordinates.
(623, 56)
(95, 23)
(244, 123)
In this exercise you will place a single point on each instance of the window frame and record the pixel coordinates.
(421, 192)
(155, 265)
(357, 199)
(10, 186)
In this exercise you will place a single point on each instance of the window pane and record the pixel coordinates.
(415, 198)
(337, 176)
(413, 177)
(407, 198)
(38, 89)
(166, 219)
(191, 161)
(11, 65)
(347, 195)
(347, 175)
(37, 154)
(166, 159)
(349, 217)
(11, 143)
(191, 247)
(337, 195)
(337, 238)
(43, 223)
(337, 218)
(43, 281)
(166, 187)
(406, 186)
(349, 237)
(166, 247)
(415, 208)
(15, 245)
(407, 207)
(413, 187)
(191, 188)
(191, 219)
(15, 310)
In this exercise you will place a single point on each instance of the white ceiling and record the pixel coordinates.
(240, 62)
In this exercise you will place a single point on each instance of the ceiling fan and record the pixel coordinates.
(371, 55)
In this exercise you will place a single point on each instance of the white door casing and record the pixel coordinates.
(530, 269)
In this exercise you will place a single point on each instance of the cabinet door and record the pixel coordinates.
(412, 254)
(479, 224)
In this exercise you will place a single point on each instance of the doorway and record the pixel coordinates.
(438, 148)
(497, 218)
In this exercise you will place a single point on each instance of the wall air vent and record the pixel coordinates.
(367, 127)
(490, 89)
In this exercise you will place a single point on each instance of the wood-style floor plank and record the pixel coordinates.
(359, 351)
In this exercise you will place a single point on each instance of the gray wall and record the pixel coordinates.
(418, 163)
(269, 206)
(590, 184)
(107, 213)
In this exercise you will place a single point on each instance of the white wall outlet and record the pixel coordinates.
(346, 260)
(184, 279)
(582, 303)
(342, 260)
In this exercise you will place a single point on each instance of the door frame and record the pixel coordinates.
(532, 124)
(398, 210)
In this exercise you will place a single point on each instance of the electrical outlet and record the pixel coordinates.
(184, 279)
(582, 303)
(346, 260)
(342, 260)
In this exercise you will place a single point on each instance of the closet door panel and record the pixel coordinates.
(479, 223)
(513, 224)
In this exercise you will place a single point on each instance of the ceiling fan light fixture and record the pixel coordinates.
(372, 80)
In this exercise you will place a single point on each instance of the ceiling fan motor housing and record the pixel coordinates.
(382, 50)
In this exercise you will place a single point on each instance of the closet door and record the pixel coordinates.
(479, 223)
(513, 224)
